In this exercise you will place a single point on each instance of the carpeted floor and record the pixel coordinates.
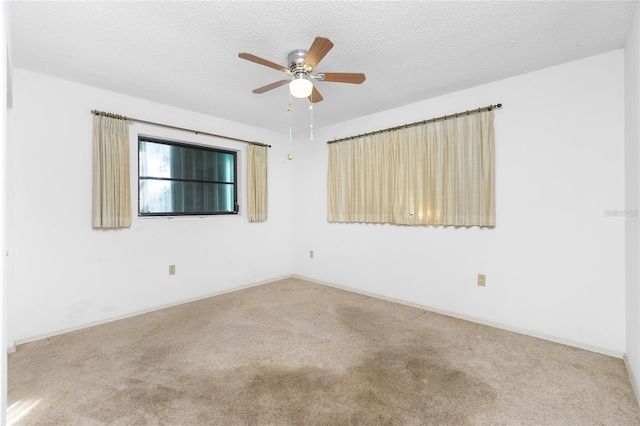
(295, 352)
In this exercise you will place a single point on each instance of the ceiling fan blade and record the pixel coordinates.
(258, 60)
(342, 77)
(320, 47)
(271, 86)
(315, 96)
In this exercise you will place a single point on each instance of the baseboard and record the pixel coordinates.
(631, 378)
(505, 327)
(19, 342)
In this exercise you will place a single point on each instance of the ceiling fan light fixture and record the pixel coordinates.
(300, 86)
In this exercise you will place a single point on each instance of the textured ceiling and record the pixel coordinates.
(185, 53)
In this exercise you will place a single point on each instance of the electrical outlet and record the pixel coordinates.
(482, 280)
(172, 269)
(310, 254)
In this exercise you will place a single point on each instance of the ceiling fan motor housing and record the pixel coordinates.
(296, 61)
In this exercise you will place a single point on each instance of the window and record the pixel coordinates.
(177, 179)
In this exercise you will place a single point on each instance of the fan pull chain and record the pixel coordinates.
(290, 156)
(311, 125)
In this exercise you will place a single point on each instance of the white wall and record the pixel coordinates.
(632, 196)
(554, 262)
(5, 100)
(64, 273)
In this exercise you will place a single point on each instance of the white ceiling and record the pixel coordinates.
(185, 53)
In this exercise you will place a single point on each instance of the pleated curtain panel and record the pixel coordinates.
(439, 173)
(111, 183)
(257, 183)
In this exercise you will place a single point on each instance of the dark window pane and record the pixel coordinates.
(197, 164)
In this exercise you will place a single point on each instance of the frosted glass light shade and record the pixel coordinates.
(300, 87)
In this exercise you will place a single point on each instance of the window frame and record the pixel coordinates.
(236, 209)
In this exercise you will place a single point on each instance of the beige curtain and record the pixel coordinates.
(438, 173)
(111, 184)
(257, 183)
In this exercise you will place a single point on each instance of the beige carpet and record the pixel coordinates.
(294, 352)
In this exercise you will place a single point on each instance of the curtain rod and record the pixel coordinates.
(122, 117)
(417, 123)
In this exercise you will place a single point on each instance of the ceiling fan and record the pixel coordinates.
(301, 64)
